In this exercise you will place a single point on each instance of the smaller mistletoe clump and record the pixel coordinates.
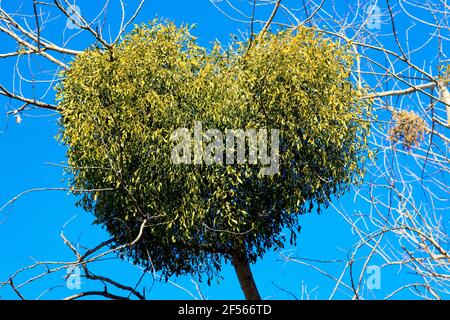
(409, 129)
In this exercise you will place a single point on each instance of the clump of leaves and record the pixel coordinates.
(409, 129)
(119, 107)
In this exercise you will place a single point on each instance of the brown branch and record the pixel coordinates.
(15, 289)
(269, 22)
(28, 101)
(84, 24)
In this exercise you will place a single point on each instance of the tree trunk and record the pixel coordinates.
(444, 94)
(245, 276)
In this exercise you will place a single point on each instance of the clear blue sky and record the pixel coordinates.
(30, 228)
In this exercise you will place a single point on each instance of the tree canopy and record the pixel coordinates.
(120, 105)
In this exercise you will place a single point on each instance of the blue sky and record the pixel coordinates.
(30, 227)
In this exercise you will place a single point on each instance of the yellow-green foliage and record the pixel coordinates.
(119, 107)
